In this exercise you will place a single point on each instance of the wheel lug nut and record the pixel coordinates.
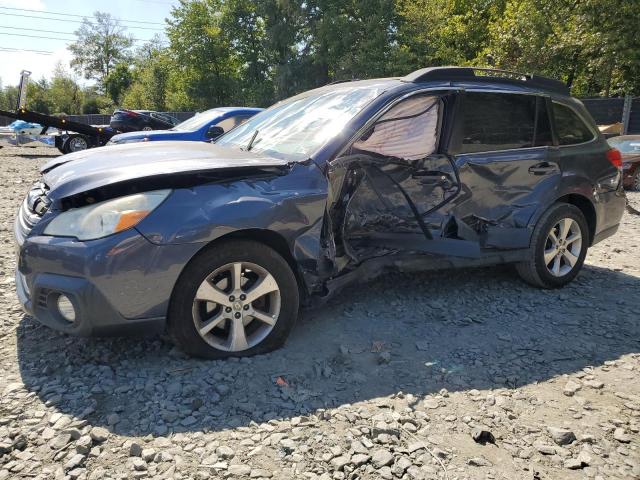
(232, 298)
(228, 309)
(237, 315)
(246, 307)
(243, 297)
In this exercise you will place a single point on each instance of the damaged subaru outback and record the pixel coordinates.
(219, 244)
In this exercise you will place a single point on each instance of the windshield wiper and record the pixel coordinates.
(253, 137)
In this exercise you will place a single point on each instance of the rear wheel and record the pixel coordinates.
(75, 143)
(635, 182)
(559, 246)
(234, 299)
(146, 128)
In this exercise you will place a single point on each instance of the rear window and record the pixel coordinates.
(501, 121)
(570, 128)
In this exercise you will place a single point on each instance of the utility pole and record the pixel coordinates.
(626, 113)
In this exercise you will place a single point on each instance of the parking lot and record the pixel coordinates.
(393, 379)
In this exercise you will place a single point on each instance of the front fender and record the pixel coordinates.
(291, 205)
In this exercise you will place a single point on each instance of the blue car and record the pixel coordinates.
(203, 127)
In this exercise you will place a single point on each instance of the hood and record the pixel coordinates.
(98, 167)
(153, 134)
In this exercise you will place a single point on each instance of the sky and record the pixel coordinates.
(15, 23)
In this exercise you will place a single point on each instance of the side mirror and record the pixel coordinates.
(214, 132)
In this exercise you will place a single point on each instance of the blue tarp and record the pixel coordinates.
(21, 125)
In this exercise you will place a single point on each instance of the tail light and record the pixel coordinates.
(129, 113)
(615, 157)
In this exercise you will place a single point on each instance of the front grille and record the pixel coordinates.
(31, 211)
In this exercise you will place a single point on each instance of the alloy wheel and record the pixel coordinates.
(77, 144)
(236, 306)
(563, 246)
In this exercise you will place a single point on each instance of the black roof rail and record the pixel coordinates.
(342, 81)
(475, 74)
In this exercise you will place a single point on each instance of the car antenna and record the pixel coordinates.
(253, 137)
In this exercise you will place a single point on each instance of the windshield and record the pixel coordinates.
(626, 145)
(198, 121)
(294, 129)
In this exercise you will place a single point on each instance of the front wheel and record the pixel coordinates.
(558, 248)
(234, 299)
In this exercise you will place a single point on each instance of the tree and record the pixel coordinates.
(64, 94)
(117, 82)
(99, 47)
(206, 69)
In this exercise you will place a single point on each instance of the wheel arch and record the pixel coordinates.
(586, 207)
(269, 238)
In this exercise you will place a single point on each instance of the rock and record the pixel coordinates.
(339, 462)
(225, 452)
(595, 384)
(147, 455)
(381, 458)
(479, 462)
(74, 462)
(135, 449)
(561, 436)
(571, 388)
(139, 464)
(620, 435)
(545, 449)
(260, 473)
(113, 418)
(60, 441)
(239, 470)
(360, 459)
(99, 434)
(84, 444)
(482, 436)
(573, 464)
(401, 465)
(384, 357)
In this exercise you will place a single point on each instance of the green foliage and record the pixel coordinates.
(255, 52)
(101, 44)
(118, 81)
(64, 94)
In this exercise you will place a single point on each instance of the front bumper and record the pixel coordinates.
(118, 285)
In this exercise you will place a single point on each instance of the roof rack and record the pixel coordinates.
(474, 74)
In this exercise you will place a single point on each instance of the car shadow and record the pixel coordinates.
(419, 333)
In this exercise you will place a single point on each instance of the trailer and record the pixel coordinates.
(68, 136)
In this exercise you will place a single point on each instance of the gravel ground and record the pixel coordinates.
(465, 374)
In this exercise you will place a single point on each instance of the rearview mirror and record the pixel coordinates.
(214, 132)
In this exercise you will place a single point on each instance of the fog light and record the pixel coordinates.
(66, 308)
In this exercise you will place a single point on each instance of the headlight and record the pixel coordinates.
(105, 218)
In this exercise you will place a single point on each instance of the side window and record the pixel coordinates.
(570, 128)
(408, 131)
(231, 122)
(498, 121)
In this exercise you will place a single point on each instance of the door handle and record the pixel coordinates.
(543, 168)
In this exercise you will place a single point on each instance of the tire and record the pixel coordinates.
(210, 275)
(536, 271)
(147, 128)
(75, 143)
(635, 181)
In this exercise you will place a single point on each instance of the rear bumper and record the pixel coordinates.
(609, 210)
